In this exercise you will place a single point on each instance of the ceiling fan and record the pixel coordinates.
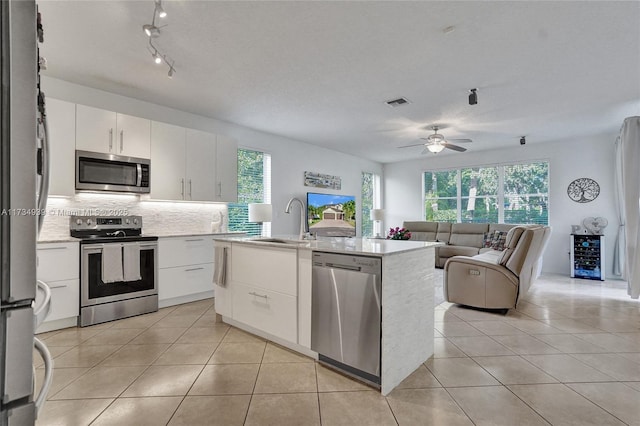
(437, 142)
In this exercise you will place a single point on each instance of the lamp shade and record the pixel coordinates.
(377, 214)
(435, 148)
(260, 212)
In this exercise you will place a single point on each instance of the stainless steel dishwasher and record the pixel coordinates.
(346, 313)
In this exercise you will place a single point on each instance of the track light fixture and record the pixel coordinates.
(522, 140)
(152, 31)
(160, 10)
(473, 97)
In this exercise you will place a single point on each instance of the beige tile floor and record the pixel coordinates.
(570, 354)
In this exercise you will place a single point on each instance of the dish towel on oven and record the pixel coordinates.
(112, 271)
(220, 266)
(131, 262)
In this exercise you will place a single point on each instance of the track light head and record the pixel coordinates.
(151, 30)
(473, 97)
(171, 72)
(156, 58)
(522, 140)
(160, 10)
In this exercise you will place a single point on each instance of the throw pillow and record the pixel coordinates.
(487, 239)
(498, 240)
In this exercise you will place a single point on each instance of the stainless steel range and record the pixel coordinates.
(118, 268)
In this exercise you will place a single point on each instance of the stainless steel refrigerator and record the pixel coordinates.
(22, 156)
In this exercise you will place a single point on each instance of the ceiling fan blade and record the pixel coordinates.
(415, 144)
(460, 140)
(455, 147)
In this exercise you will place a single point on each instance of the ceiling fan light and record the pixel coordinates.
(436, 138)
(435, 148)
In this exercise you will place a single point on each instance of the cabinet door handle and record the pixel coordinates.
(52, 248)
(190, 185)
(264, 296)
(110, 139)
(193, 269)
(121, 140)
(58, 286)
(182, 188)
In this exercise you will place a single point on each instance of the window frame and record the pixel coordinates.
(375, 204)
(264, 229)
(500, 193)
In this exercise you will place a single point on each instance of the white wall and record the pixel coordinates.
(289, 159)
(568, 160)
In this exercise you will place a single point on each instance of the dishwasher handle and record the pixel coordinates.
(346, 267)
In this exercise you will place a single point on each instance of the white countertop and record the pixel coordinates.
(69, 239)
(366, 246)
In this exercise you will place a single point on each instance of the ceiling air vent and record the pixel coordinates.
(397, 102)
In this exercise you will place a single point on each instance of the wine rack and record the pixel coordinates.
(587, 256)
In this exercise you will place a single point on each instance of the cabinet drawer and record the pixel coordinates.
(271, 312)
(184, 280)
(65, 299)
(270, 268)
(174, 252)
(58, 261)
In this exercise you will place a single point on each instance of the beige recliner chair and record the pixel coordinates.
(496, 279)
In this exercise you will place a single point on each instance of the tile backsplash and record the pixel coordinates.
(159, 217)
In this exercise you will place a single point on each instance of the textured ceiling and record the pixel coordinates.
(319, 72)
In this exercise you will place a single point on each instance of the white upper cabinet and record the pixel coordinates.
(133, 136)
(99, 130)
(200, 166)
(167, 161)
(226, 169)
(192, 165)
(95, 129)
(61, 118)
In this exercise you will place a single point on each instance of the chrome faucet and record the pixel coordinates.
(303, 225)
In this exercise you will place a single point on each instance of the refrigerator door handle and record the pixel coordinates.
(48, 373)
(42, 311)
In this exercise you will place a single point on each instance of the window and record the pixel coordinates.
(441, 196)
(479, 195)
(370, 200)
(526, 193)
(516, 193)
(254, 186)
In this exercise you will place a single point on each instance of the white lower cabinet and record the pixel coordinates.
(58, 265)
(65, 300)
(185, 269)
(274, 313)
(185, 280)
(261, 289)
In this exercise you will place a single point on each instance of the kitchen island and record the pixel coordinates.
(268, 292)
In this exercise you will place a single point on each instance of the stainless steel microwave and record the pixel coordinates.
(107, 172)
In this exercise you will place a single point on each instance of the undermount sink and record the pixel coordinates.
(277, 241)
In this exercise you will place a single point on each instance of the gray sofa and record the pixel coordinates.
(461, 239)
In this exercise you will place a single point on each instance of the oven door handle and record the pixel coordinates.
(152, 244)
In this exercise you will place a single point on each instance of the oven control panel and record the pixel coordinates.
(84, 223)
